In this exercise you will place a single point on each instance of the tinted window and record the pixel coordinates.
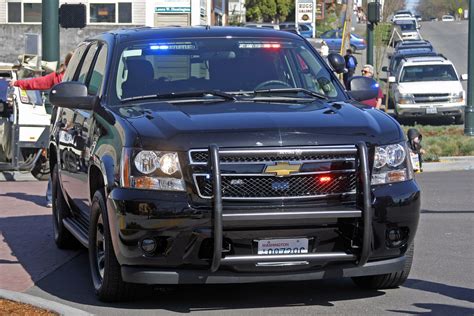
(74, 62)
(231, 65)
(97, 75)
(86, 65)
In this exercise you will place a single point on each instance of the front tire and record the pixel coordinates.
(459, 119)
(105, 269)
(62, 237)
(389, 280)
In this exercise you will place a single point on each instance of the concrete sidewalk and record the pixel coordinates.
(450, 164)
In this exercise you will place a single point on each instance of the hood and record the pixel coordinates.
(430, 87)
(181, 127)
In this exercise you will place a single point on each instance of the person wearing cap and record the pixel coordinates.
(368, 71)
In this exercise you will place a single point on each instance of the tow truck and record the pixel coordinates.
(24, 124)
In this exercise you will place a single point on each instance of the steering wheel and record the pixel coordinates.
(264, 84)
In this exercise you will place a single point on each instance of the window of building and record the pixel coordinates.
(31, 12)
(24, 11)
(14, 12)
(110, 12)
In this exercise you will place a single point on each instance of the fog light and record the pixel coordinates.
(396, 237)
(148, 245)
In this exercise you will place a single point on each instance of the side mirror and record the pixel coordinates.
(464, 77)
(72, 95)
(337, 62)
(363, 88)
(392, 79)
(385, 68)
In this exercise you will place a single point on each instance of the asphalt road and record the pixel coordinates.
(441, 282)
(449, 39)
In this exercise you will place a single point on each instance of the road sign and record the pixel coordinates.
(305, 11)
(460, 10)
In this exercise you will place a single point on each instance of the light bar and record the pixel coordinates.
(172, 47)
(260, 45)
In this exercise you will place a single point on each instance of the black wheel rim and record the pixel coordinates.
(100, 247)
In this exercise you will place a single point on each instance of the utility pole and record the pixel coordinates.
(469, 110)
(348, 22)
(50, 30)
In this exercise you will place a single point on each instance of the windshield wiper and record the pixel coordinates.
(294, 90)
(184, 94)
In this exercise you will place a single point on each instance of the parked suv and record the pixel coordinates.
(428, 87)
(226, 155)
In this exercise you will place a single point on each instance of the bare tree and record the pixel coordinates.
(390, 7)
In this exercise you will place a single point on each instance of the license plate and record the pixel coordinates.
(431, 110)
(283, 246)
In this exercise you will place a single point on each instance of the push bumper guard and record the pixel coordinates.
(220, 260)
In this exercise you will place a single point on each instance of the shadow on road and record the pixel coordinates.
(456, 292)
(37, 199)
(436, 309)
(184, 299)
(30, 240)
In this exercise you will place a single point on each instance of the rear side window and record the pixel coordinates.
(97, 75)
(74, 62)
(86, 65)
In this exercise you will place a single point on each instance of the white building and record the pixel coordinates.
(125, 12)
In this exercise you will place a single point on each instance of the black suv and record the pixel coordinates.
(226, 155)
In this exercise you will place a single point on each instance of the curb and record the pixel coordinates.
(42, 303)
(461, 163)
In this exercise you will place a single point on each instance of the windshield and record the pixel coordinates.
(407, 25)
(428, 73)
(221, 64)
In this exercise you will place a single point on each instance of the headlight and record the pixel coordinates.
(391, 164)
(406, 98)
(456, 97)
(146, 162)
(153, 170)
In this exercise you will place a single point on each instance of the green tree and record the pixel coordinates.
(275, 11)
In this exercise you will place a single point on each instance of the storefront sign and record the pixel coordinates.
(173, 6)
(305, 11)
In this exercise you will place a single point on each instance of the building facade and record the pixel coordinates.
(19, 17)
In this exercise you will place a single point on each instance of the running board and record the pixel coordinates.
(310, 257)
(76, 231)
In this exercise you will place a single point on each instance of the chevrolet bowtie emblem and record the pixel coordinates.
(282, 169)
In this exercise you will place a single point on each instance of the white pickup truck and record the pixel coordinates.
(428, 87)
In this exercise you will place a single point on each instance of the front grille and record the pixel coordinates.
(257, 187)
(431, 97)
(278, 173)
(201, 157)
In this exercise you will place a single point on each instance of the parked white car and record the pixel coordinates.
(447, 18)
(408, 29)
(428, 87)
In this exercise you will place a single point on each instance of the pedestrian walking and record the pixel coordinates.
(368, 71)
(44, 83)
(351, 65)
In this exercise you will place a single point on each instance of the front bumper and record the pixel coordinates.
(148, 276)
(426, 110)
(137, 214)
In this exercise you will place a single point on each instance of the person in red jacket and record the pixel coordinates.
(44, 83)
